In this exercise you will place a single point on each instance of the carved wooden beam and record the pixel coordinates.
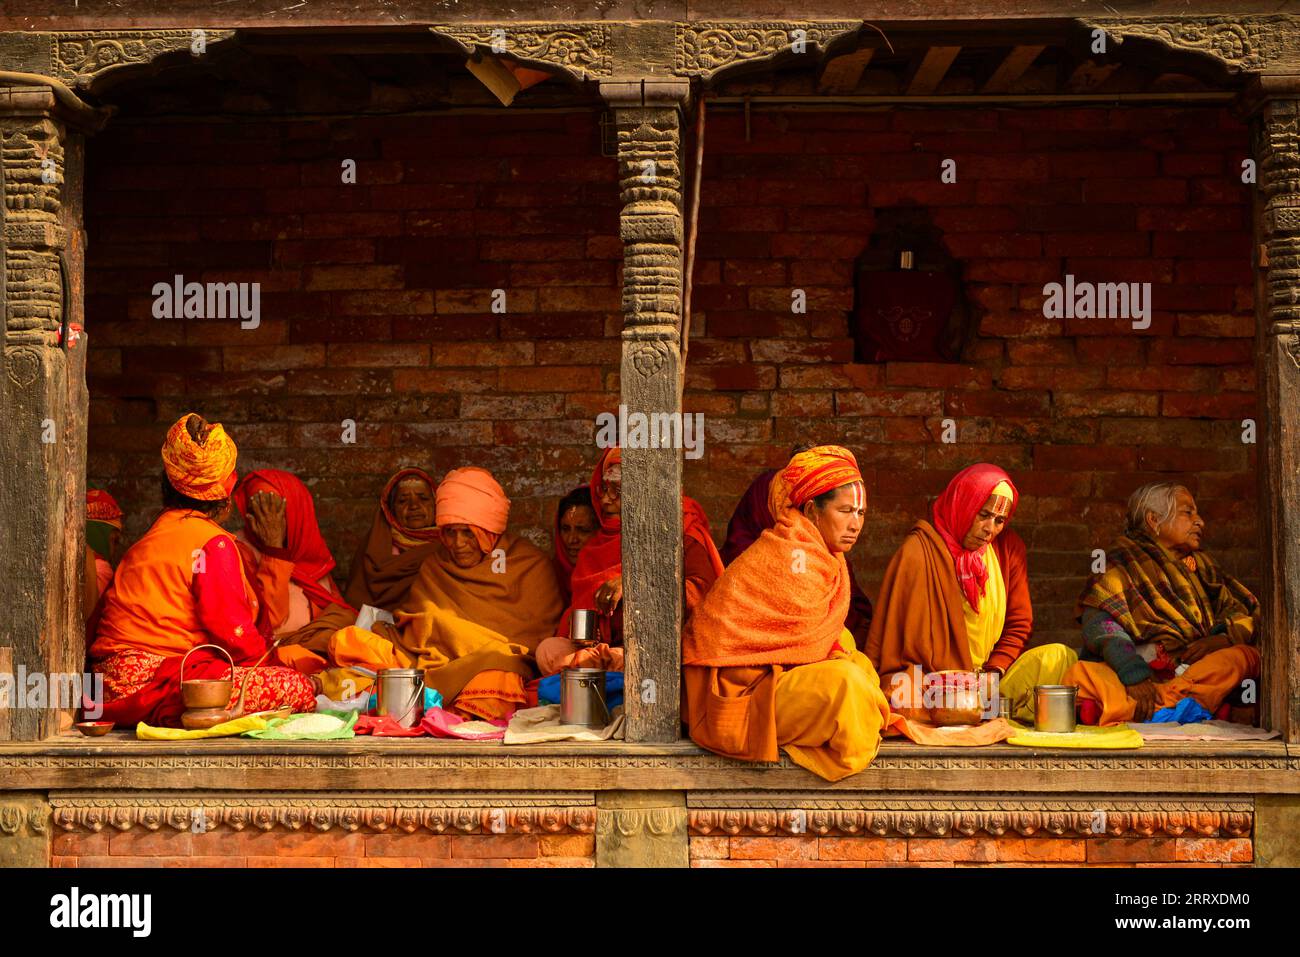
(580, 50)
(705, 48)
(80, 59)
(1239, 44)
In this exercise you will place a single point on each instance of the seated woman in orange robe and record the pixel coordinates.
(956, 597)
(479, 606)
(597, 580)
(289, 564)
(401, 537)
(767, 661)
(182, 585)
(1165, 621)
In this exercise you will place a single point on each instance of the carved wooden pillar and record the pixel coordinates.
(42, 404)
(1277, 302)
(648, 120)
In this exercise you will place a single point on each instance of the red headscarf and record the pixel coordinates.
(102, 507)
(955, 510)
(602, 557)
(402, 536)
(562, 563)
(303, 542)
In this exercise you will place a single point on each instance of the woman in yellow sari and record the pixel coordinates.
(481, 603)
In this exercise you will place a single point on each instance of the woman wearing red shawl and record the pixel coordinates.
(752, 516)
(575, 524)
(402, 536)
(103, 551)
(597, 580)
(482, 601)
(767, 661)
(956, 597)
(289, 564)
(182, 585)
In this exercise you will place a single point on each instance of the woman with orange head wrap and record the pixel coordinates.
(182, 585)
(956, 597)
(597, 579)
(480, 604)
(767, 661)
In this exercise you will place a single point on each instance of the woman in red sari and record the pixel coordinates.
(597, 580)
(183, 585)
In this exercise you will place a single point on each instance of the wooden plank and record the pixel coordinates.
(927, 74)
(1012, 67)
(841, 75)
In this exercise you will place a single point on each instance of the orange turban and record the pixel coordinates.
(102, 507)
(812, 473)
(471, 496)
(203, 470)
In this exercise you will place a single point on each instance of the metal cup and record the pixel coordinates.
(1054, 708)
(582, 625)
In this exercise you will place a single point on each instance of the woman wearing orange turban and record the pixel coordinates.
(182, 585)
(767, 660)
(480, 604)
(956, 597)
(597, 579)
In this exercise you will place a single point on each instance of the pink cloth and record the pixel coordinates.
(437, 723)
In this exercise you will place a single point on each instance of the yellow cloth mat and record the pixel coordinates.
(226, 729)
(1084, 736)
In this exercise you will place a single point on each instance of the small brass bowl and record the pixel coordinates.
(93, 729)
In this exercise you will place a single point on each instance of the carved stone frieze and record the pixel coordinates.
(1241, 44)
(913, 816)
(470, 813)
(581, 49)
(81, 58)
(705, 47)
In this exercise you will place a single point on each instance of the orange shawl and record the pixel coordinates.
(458, 622)
(379, 577)
(782, 603)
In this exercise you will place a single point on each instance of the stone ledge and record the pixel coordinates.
(403, 765)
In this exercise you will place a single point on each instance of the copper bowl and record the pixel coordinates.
(957, 696)
(204, 718)
(199, 693)
(93, 729)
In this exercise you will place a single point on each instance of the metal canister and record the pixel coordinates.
(1054, 708)
(401, 695)
(1004, 707)
(582, 697)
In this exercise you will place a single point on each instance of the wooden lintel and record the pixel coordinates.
(931, 69)
(1012, 67)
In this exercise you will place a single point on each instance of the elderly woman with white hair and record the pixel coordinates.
(1161, 622)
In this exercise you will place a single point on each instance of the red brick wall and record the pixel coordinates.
(375, 308)
(1010, 850)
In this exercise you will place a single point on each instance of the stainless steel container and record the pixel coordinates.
(582, 625)
(1054, 708)
(1004, 706)
(582, 697)
(401, 695)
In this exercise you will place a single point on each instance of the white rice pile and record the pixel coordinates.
(311, 724)
(476, 727)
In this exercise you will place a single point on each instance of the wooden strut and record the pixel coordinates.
(693, 229)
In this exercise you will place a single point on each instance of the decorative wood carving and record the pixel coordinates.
(81, 58)
(913, 816)
(580, 49)
(706, 47)
(1241, 44)
(471, 813)
(31, 150)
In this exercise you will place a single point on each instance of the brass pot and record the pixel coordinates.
(207, 693)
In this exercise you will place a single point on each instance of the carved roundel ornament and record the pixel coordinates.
(23, 366)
